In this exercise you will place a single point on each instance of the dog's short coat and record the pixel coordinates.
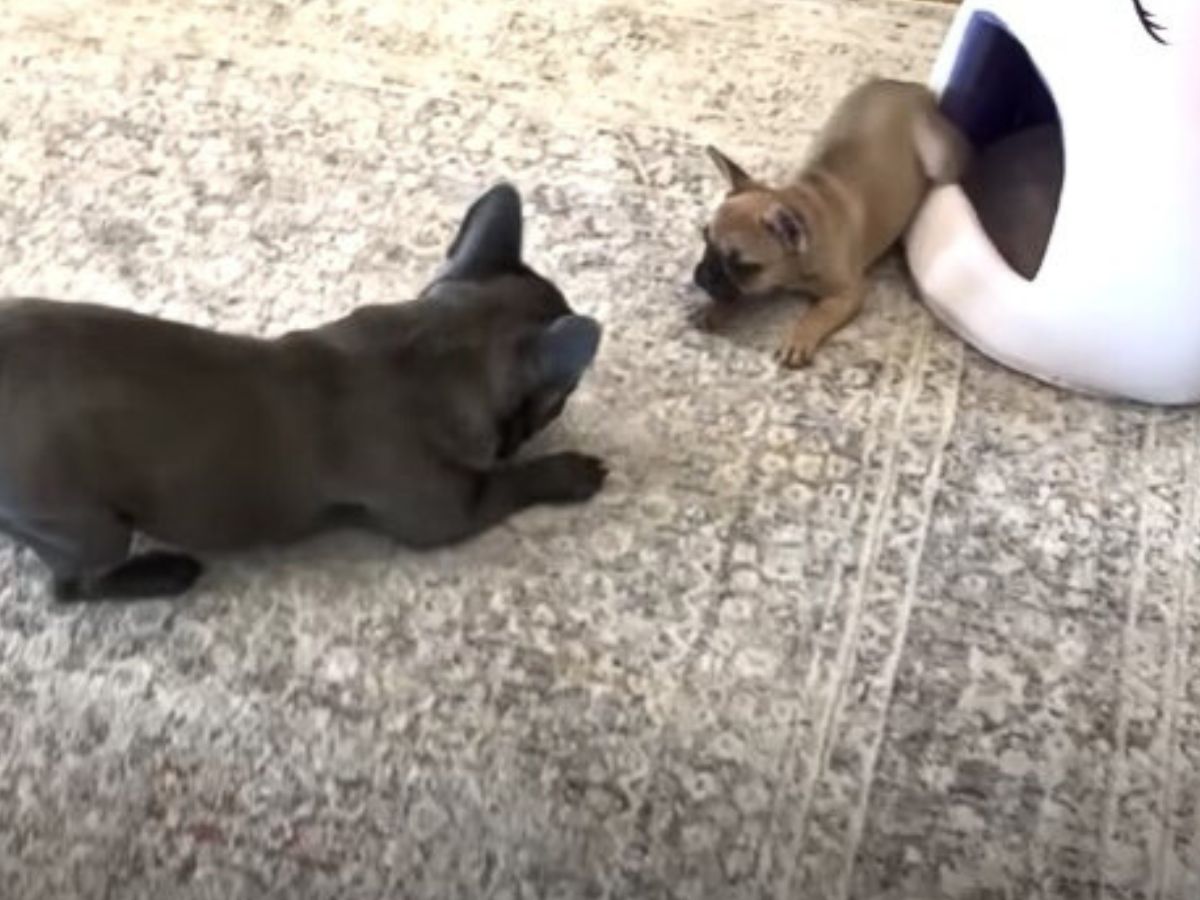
(397, 417)
(870, 167)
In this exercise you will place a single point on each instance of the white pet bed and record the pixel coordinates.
(1072, 249)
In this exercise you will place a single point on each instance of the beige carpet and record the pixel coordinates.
(905, 625)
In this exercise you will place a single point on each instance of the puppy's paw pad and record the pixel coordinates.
(571, 477)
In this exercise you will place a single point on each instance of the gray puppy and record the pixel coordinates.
(398, 418)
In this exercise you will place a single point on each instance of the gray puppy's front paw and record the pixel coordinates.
(569, 477)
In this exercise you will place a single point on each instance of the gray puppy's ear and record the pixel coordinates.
(488, 242)
(734, 174)
(563, 351)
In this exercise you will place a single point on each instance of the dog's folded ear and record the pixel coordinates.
(488, 242)
(787, 226)
(563, 351)
(734, 174)
(554, 361)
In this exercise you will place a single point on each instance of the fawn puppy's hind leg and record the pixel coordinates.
(942, 149)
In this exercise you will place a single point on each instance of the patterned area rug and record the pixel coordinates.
(903, 625)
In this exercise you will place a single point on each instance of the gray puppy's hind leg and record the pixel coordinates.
(87, 554)
(146, 576)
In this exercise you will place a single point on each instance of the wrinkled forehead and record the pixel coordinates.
(737, 226)
(513, 298)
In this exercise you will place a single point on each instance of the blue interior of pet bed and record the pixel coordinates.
(995, 89)
(999, 99)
